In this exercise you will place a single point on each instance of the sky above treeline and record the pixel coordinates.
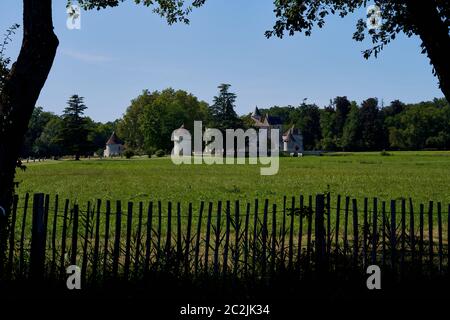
(121, 51)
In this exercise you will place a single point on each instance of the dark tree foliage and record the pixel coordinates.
(329, 129)
(172, 10)
(429, 20)
(307, 118)
(351, 136)
(38, 123)
(149, 121)
(342, 106)
(74, 132)
(371, 133)
(4, 60)
(398, 126)
(393, 109)
(223, 115)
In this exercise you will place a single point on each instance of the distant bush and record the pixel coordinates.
(160, 153)
(150, 151)
(128, 154)
(385, 153)
(99, 153)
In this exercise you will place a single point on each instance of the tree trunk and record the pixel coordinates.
(435, 39)
(20, 93)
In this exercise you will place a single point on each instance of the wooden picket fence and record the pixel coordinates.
(224, 239)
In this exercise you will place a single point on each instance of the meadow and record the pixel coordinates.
(422, 176)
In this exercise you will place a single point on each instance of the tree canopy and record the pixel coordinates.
(173, 10)
(429, 20)
(223, 115)
(151, 118)
(74, 131)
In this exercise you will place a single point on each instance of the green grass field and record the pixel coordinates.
(422, 176)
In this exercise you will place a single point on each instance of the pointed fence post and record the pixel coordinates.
(37, 255)
(320, 233)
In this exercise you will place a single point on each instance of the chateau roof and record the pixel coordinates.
(256, 113)
(114, 139)
(272, 120)
(291, 134)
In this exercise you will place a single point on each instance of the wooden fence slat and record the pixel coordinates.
(355, 233)
(375, 231)
(384, 226)
(255, 239)
(273, 253)
(246, 240)
(158, 240)
(169, 230)
(430, 235)
(46, 215)
(126, 272)
(208, 235)
(138, 240)
(338, 217)
(148, 238)
(320, 240)
(64, 239)
(421, 234)
(106, 245)
(37, 254)
(227, 238)
(365, 231)
(347, 205)
(412, 238)
(237, 226)
(85, 245)
(118, 231)
(403, 238)
(291, 235)
(393, 234)
(12, 239)
(283, 230)
(54, 228)
(217, 240)
(264, 238)
(440, 250)
(187, 262)
(96, 241)
(179, 235)
(198, 237)
(300, 232)
(22, 236)
(74, 247)
(309, 236)
(328, 214)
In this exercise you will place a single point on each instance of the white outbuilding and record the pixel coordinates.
(293, 141)
(114, 146)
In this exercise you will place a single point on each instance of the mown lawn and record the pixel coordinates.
(422, 176)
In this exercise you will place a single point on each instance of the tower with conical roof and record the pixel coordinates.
(114, 146)
(256, 115)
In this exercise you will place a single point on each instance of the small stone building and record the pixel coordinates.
(114, 147)
(293, 141)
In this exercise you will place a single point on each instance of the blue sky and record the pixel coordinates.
(120, 51)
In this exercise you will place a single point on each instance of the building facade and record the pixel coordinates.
(291, 141)
(114, 147)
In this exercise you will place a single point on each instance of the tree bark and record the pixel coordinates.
(435, 38)
(20, 93)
